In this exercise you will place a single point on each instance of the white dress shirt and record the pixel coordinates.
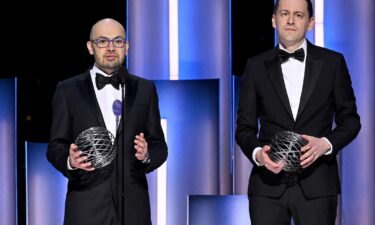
(106, 97)
(293, 74)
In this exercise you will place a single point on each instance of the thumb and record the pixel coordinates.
(267, 148)
(306, 137)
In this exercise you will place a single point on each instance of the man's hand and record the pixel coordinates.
(263, 158)
(78, 161)
(315, 148)
(140, 147)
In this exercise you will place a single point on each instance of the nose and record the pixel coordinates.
(110, 46)
(291, 19)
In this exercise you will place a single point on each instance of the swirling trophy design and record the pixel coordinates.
(286, 148)
(97, 143)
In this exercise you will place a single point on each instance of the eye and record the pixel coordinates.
(283, 13)
(299, 15)
(102, 41)
(119, 41)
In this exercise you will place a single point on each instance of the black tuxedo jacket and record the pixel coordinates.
(264, 109)
(95, 197)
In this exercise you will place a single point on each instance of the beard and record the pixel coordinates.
(110, 66)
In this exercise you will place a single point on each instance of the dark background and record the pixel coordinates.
(252, 31)
(44, 42)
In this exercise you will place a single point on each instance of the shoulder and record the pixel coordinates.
(324, 53)
(73, 84)
(259, 61)
(257, 65)
(268, 55)
(138, 78)
(141, 81)
(77, 78)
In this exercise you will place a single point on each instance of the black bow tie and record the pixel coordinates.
(102, 81)
(284, 56)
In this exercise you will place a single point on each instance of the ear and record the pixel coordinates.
(274, 21)
(90, 47)
(126, 47)
(311, 23)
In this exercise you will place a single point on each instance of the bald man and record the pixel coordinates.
(118, 193)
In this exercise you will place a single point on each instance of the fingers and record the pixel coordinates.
(76, 159)
(311, 151)
(309, 158)
(307, 137)
(274, 167)
(268, 163)
(140, 147)
(308, 146)
(266, 148)
(308, 152)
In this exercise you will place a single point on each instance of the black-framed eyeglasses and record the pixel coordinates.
(103, 42)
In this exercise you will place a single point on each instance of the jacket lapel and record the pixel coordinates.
(275, 74)
(312, 71)
(87, 89)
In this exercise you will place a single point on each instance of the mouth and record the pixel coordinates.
(290, 29)
(110, 57)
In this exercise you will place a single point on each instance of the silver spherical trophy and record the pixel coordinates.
(97, 143)
(286, 148)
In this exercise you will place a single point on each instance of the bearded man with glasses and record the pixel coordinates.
(118, 193)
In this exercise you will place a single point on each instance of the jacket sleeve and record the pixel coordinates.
(346, 117)
(157, 146)
(60, 137)
(247, 115)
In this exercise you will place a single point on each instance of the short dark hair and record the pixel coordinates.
(309, 8)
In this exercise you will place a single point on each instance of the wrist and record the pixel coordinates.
(147, 159)
(259, 158)
(255, 157)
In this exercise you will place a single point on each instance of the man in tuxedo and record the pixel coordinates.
(302, 88)
(118, 193)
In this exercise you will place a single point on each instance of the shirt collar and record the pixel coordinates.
(95, 70)
(303, 45)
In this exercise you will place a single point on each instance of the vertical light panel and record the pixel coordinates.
(204, 53)
(162, 185)
(173, 40)
(218, 209)
(148, 35)
(8, 158)
(355, 38)
(319, 22)
(191, 108)
(45, 187)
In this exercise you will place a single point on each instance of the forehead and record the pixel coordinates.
(108, 29)
(293, 5)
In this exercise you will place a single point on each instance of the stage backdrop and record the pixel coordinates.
(349, 28)
(185, 40)
(8, 146)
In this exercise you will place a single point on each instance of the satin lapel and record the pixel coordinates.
(275, 74)
(131, 87)
(87, 89)
(312, 71)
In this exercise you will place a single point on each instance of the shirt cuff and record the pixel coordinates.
(330, 147)
(68, 165)
(257, 149)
